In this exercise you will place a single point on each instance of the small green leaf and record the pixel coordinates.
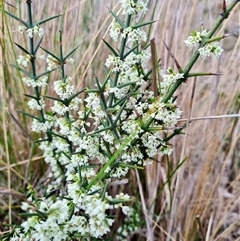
(54, 56)
(142, 24)
(23, 49)
(18, 19)
(37, 46)
(28, 214)
(41, 140)
(71, 211)
(120, 112)
(32, 116)
(130, 51)
(130, 166)
(71, 52)
(22, 70)
(111, 48)
(98, 85)
(92, 91)
(53, 98)
(62, 137)
(117, 18)
(31, 96)
(44, 73)
(47, 19)
(79, 92)
(120, 102)
(99, 131)
(126, 84)
(106, 79)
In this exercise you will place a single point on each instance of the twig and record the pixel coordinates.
(154, 73)
(149, 231)
(200, 227)
(211, 117)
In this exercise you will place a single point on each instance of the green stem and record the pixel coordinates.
(121, 54)
(196, 54)
(61, 57)
(191, 62)
(31, 48)
(101, 174)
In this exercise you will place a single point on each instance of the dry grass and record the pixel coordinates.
(208, 182)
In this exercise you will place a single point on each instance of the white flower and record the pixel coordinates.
(75, 104)
(115, 61)
(115, 30)
(59, 108)
(169, 79)
(35, 30)
(151, 142)
(60, 144)
(40, 82)
(63, 89)
(30, 32)
(78, 224)
(126, 210)
(36, 105)
(41, 126)
(28, 81)
(120, 172)
(195, 38)
(24, 59)
(21, 28)
(30, 223)
(51, 62)
(25, 206)
(134, 34)
(38, 30)
(70, 60)
(217, 50)
(211, 48)
(132, 6)
(205, 51)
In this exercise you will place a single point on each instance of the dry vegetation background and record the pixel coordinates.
(208, 183)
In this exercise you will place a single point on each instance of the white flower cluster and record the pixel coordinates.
(211, 48)
(129, 69)
(197, 37)
(168, 79)
(51, 62)
(133, 6)
(36, 105)
(24, 59)
(21, 28)
(132, 34)
(84, 138)
(38, 126)
(61, 218)
(132, 223)
(63, 89)
(36, 30)
(40, 82)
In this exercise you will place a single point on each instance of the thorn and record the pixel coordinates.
(201, 227)
(9, 4)
(175, 60)
(215, 73)
(202, 25)
(224, 12)
(227, 35)
(224, 6)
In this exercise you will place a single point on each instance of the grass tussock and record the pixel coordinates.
(199, 201)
